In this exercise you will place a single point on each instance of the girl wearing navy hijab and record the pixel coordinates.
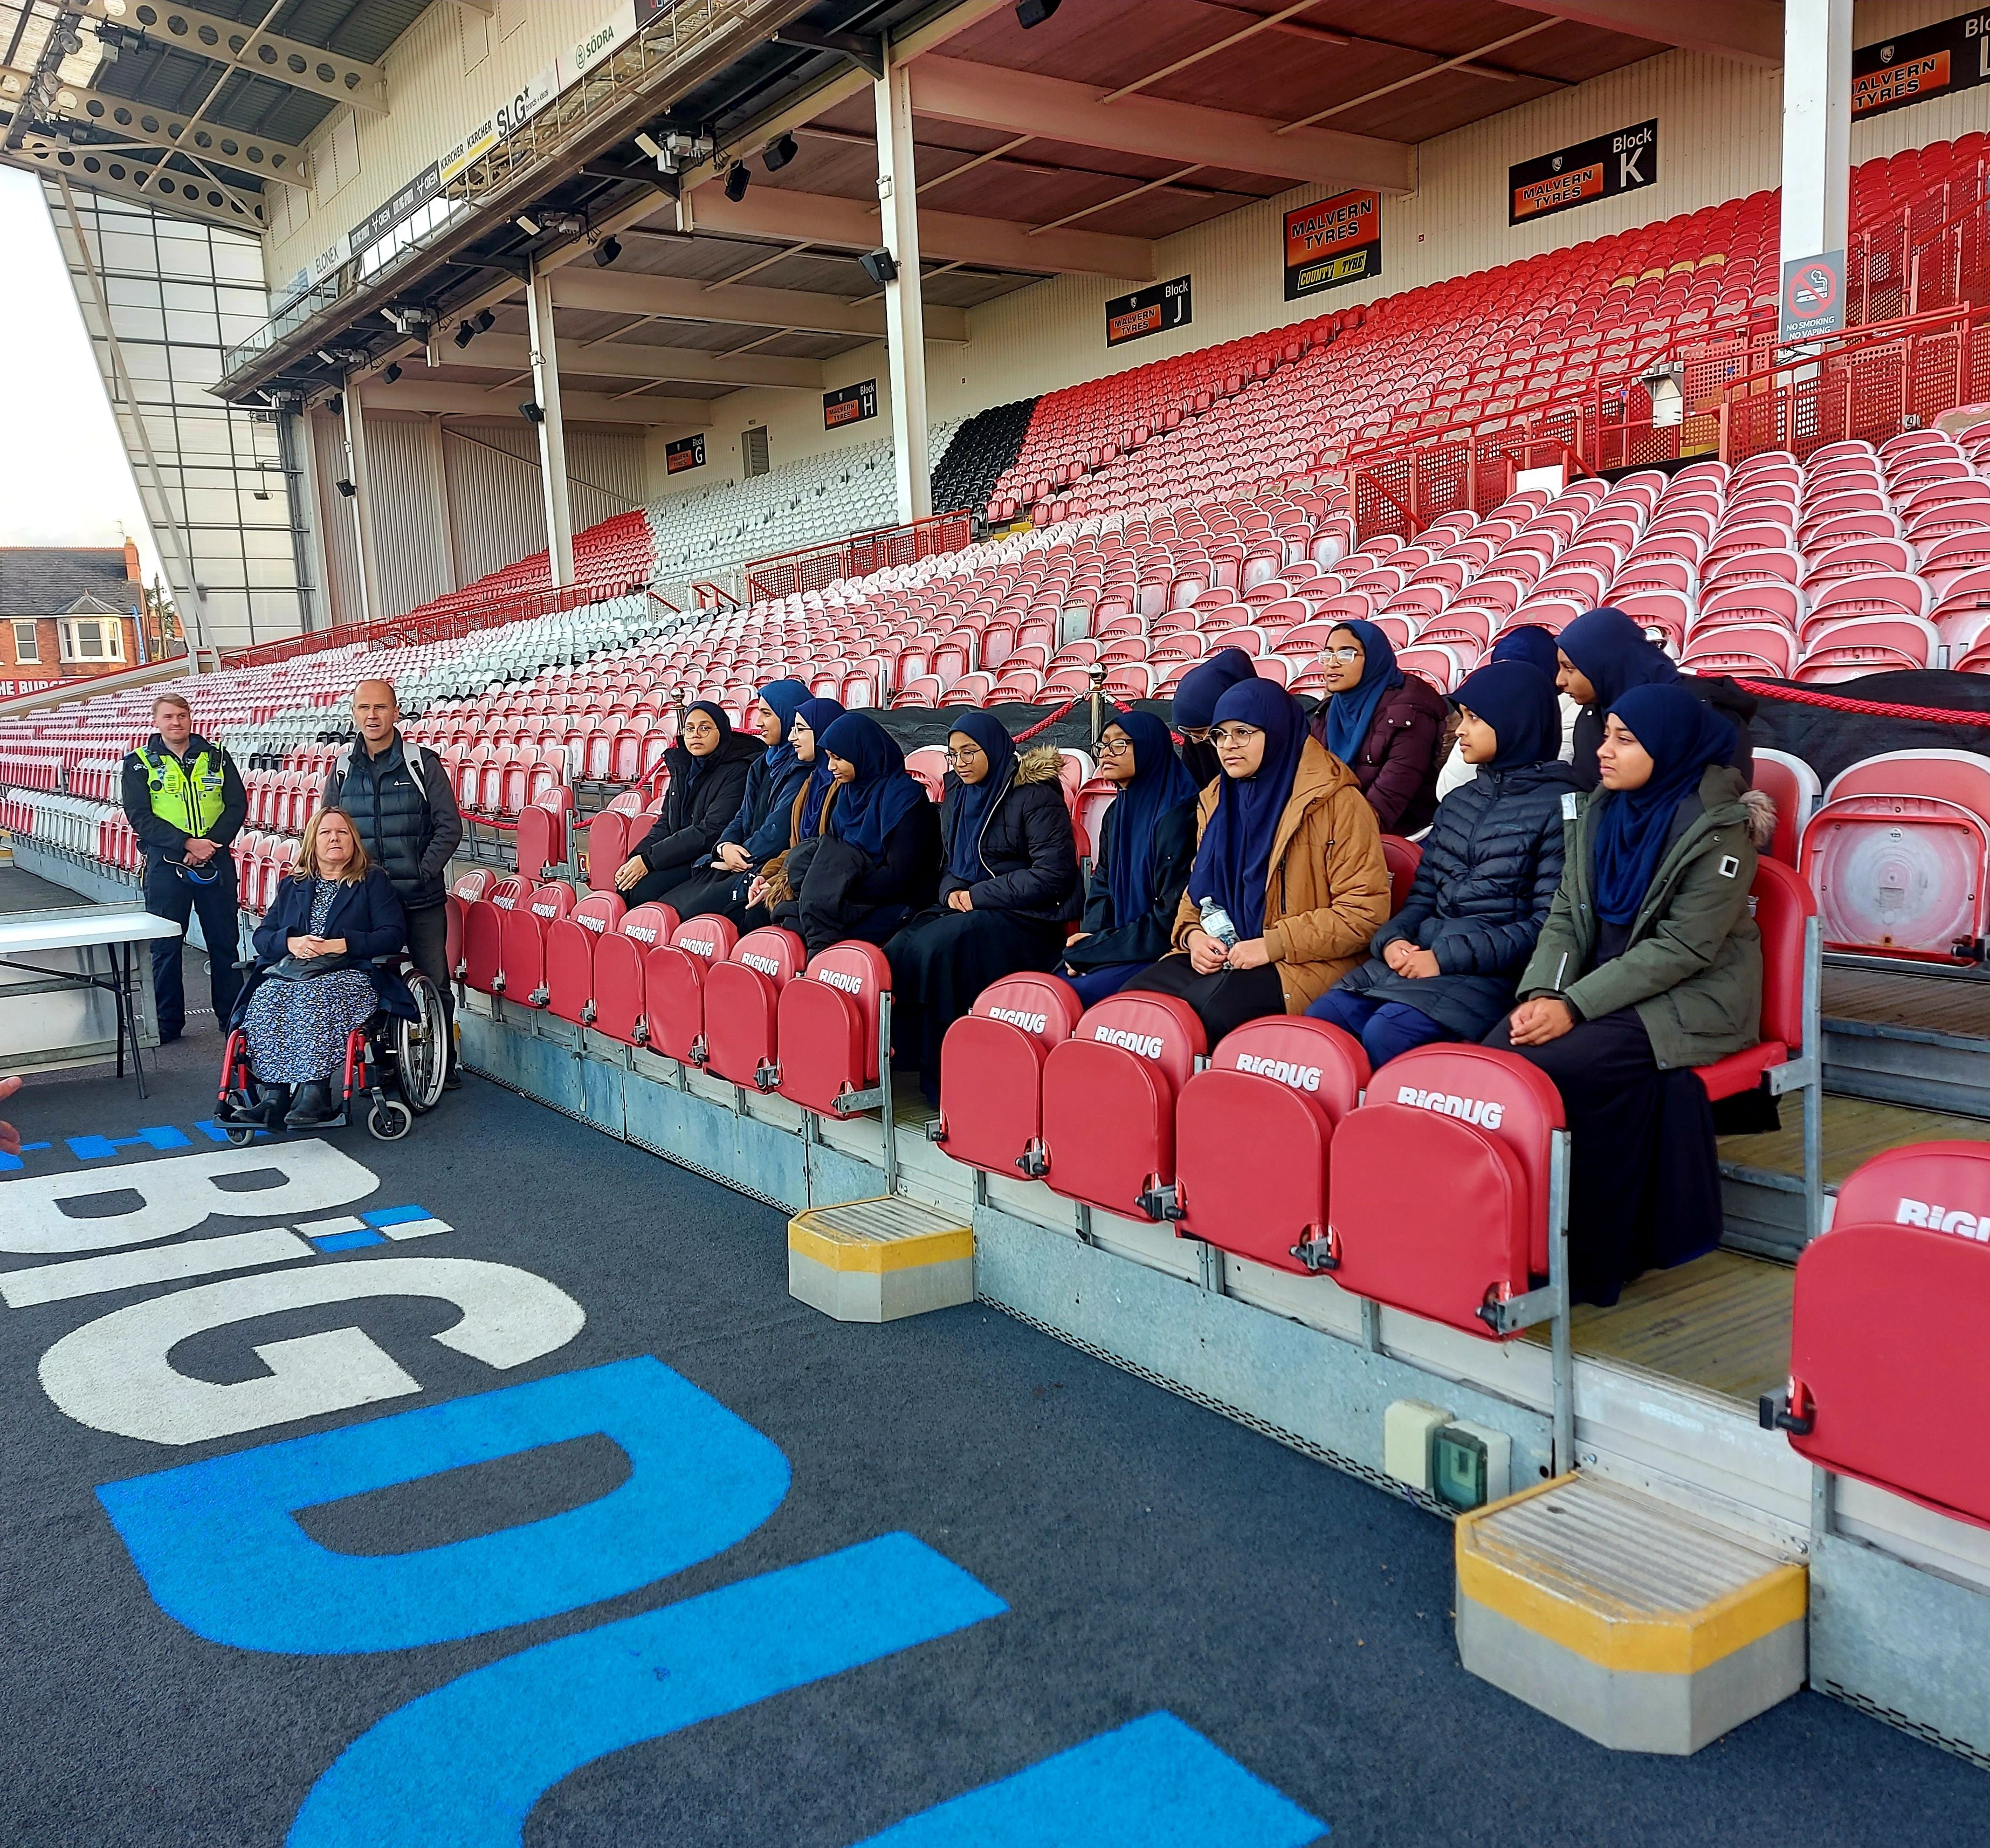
(1386, 725)
(875, 858)
(1648, 966)
(1146, 846)
(759, 825)
(1603, 654)
(1535, 646)
(1444, 967)
(1008, 889)
(1196, 694)
(708, 767)
(1288, 882)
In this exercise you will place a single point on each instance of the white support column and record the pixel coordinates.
(552, 426)
(1817, 126)
(371, 606)
(905, 307)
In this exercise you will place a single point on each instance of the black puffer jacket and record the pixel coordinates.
(696, 809)
(409, 831)
(1490, 866)
(1026, 844)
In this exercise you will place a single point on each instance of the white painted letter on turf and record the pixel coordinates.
(115, 1374)
(175, 1195)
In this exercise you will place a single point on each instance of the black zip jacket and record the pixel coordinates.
(696, 810)
(1147, 938)
(1026, 844)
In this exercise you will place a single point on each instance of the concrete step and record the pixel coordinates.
(1641, 1626)
(876, 1260)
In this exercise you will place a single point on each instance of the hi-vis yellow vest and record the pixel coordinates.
(189, 798)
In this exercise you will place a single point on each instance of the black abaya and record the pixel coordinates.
(940, 962)
(1644, 1180)
(1223, 1000)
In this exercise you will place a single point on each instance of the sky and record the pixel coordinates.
(64, 480)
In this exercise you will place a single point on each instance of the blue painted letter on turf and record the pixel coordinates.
(1155, 1784)
(464, 1765)
(217, 1548)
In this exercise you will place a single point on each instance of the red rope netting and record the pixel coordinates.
(1870, 709)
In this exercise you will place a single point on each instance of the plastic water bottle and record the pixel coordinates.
(1216, 921)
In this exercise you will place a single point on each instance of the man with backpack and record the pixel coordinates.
(403, 807)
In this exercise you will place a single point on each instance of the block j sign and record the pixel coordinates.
(1166, 306)
(1622, 161)
(1337, 241)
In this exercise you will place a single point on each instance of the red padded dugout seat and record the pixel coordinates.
(829, 1024)
(1110, 1095)
(1402, 857)
(673, 975)
(618, 999)
(1439, 1191)
(991, 1071)
(1251, 1137)
(467, 889)
(742, 996)
(522, 976)
(1886, 1348)
(569, 954)
(484, 934)
(1783, 906)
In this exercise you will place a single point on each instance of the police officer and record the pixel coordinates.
(402, 801)
(184, 800)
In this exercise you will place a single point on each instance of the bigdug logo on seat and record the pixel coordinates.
(1301, 1078)
(1485, 1114)
(1939, 1218)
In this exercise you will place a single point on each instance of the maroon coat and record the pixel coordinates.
(1397, 764)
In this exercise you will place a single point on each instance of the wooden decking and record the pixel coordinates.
(1948, 1001)
(1855, 1128)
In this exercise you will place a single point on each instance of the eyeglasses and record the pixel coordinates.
(1349, 655)
(960, 759)
(1113, 747)
(1196, 734)
(1225, 734)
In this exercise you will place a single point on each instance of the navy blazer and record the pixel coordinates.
(369, 916)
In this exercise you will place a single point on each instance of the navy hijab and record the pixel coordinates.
(716, 713)
(784, 698)
(1531, 644)
(1196, 695)
(883, 791)
(1683, 736)
(1349, 714)
(1160, 782)
(1610, 652)
(972, 802)
(1233, 864)
(818, 715)
(1518, 703)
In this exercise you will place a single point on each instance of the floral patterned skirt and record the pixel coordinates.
(297, 1030)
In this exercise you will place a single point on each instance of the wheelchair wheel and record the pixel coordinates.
(421, 1046)
(241, 1139)
(389, 1121)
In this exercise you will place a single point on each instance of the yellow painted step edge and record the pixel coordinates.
(878, 1255)
(1678, 1645)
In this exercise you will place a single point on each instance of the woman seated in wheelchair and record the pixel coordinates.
(315, 980)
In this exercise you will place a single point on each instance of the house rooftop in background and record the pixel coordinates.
(46, 580)
(68, 612)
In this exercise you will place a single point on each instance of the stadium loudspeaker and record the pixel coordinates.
(530, 413)
(737, 181)
(607, 250)
(779, 152)
(336, 404)
(347, 489)
(392, 372)
(881, 266)
(1034, 12)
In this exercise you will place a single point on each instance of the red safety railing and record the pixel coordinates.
(1739, 395)
(1933, 254)
(418, 627)
(814, 567)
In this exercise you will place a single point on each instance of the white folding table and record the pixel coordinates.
(80, 932)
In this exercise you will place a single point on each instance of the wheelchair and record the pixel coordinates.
(394, 1067)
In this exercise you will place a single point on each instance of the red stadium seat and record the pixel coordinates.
(1251, 1137)
(742, 996)
(1476, 1129)
(618, 998)
(1110, 1095)
(484, 934)
(1403, 858)
(522, 971)
(1793, 786)
(992, 1070)
(1886, 1329)
(605, 848)
(830, 1025)
(569, 955)
(1899, 856)
(674, 977)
